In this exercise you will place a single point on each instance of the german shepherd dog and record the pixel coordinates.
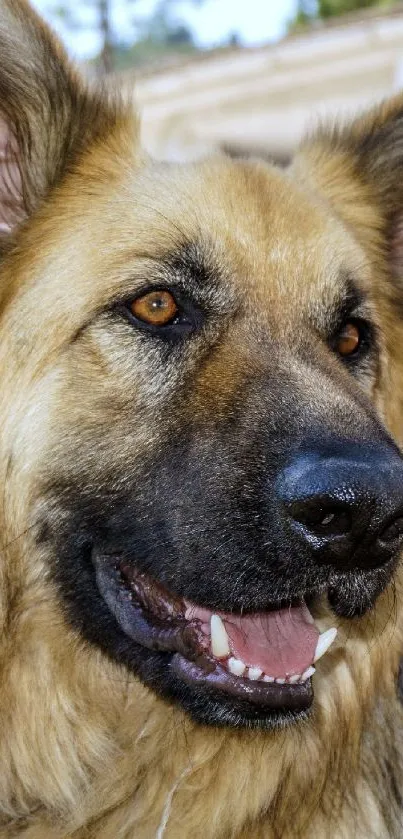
(201, 408)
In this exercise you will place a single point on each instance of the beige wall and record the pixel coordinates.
(263, 99)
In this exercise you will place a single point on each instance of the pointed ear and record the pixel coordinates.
(359, 168)
(48, 115)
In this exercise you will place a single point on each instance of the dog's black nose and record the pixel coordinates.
(345, 501)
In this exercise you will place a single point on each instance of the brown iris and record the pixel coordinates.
(348, 340)
(157, 308)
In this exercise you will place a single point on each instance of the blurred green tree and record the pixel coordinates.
(308, 10)
(157, 37)
(160, 32)
(332, 8)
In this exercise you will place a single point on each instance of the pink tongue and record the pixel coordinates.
(280, 643)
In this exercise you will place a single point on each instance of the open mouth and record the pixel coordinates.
(266, 658)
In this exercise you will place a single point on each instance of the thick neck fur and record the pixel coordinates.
(76, 731)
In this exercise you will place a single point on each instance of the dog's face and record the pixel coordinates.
(199, 358)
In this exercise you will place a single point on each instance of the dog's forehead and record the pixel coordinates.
(267, 235)
(262, 237)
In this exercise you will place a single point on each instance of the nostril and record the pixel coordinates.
(322, 519)
(335, 522)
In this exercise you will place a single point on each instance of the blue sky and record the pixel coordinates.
(256, 21)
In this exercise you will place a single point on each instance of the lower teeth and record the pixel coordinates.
(237, 668)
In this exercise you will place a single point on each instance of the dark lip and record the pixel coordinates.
(154, 618)
(167, 632)
(270, 696)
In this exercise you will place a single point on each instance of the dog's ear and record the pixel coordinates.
(359, 169)
(48, 115)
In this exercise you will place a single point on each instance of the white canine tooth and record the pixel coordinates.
(236, 666)
(268, 678)
(307, 674)
(324, 642)
(219, 638)
(294, 679)
(254, 673)
(280, 681)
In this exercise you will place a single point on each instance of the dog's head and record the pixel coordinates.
(199, 365)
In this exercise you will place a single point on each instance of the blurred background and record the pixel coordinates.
(247, 76)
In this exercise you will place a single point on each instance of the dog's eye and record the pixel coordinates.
(349, 339)
(156, 308)
(355, 344)
(166, 314)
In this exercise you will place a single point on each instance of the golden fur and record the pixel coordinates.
(85, 750)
